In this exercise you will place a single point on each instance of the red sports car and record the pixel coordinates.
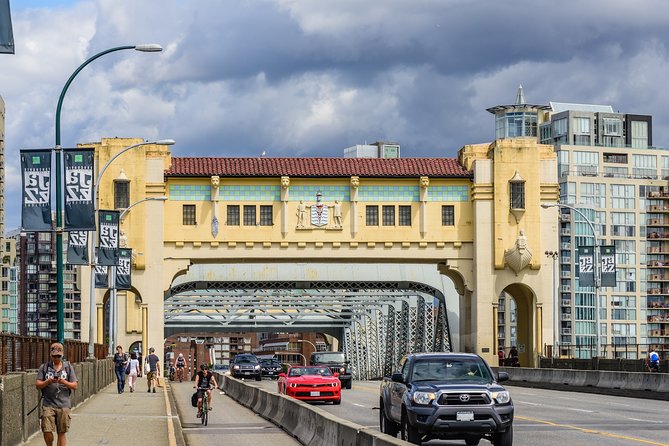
(311, 383)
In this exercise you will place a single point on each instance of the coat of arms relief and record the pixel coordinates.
(319, 214)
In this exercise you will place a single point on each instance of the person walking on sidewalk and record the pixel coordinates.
(56, 380)
(120, 365)
(153, 363)
(133, 371)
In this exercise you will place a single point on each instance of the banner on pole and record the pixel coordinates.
(77, 247)
(108, 241)
(36, 195)
(123, 279)
(79, 189)
(101, 274)
(586, 265)
(6, 32)
(608, 265)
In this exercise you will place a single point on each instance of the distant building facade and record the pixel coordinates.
(608, 169)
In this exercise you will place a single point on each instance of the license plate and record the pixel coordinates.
(247, 373)
(319, 394)
(271, 373)
(464, 416)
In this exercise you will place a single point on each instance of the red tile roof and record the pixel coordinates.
(317, 167)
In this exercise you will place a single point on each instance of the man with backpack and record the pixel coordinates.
(653, 361)
(56, 379)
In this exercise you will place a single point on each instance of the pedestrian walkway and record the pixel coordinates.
(110, 419)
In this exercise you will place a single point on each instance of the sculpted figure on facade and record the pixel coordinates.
(301, 214)
(355, 182)
(336, 214)
(122, 239)
(520, 256)
(424, 182)
(285, 182)
(215, 183)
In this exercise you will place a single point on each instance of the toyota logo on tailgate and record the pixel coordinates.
(464, 397)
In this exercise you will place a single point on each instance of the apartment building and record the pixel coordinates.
(608, 169)
(36, 258)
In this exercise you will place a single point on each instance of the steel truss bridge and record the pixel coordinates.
(377, 322)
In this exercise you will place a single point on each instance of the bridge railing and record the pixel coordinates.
(21, 353)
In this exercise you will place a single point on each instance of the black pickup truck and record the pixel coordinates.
(446, 396)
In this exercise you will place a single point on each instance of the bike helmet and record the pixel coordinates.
(204, 366)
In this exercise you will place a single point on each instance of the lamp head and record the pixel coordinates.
(165, 142)
(149, 48)
(547, 205)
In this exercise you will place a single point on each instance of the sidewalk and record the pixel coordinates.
(111, 419)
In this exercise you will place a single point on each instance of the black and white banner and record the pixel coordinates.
(608, 264)
(586, 265)
(123, 279)
(77, 247)
(101, 274)
(79, 209)
(36, 197)
(108, 241)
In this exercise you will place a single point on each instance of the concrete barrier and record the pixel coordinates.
(19, 419)
(632, 384)
(310, 425)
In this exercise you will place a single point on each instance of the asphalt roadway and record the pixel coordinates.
(542, 417)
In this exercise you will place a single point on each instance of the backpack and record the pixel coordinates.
(193, 399)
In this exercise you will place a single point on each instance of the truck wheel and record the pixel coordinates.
(503, 438)
(409, 432)
(472, 441)
(386, 425)
(349, 383)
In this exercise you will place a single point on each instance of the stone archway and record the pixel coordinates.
(528, 314)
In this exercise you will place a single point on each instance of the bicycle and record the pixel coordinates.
(203, 411)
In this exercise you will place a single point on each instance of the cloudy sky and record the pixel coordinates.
(311, 77)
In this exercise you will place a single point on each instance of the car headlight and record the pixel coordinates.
(257, 367)
(335, 384)
(293, 384)
(502, 397)
(342, 370)
(423, 397)
(236, 367)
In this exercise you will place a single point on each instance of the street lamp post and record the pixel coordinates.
(308, 342)
(113, 305)
(556, 331)
(60, 318)
(597, 267)
(91, 310)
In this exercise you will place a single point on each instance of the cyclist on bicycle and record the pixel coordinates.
(181, 365)
(653, 361)
(204, 380)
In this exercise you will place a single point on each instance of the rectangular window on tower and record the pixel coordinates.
(405, 215)
(388, 215)
(121, 194)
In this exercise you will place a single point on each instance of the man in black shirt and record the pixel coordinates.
(204, 381)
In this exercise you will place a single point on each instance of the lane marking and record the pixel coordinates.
(359, 405)
(647, 421)
(593, 431)
(171, 436)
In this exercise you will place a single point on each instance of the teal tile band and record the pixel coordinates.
(448, 193)
(330, 193)
(180, 192)
(388, 193)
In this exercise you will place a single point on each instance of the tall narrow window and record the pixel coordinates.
(405, 215)
(388, 215)
(517, 192)
(189, 215)
(121, 194)
(249, 215)
(448, 215)
(266, 216)
(233, 215)
(372, 215)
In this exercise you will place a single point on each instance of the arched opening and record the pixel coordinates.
(516, 323)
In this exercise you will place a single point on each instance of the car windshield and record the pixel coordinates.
(302, 371)
(270, 363)
(461, 369)
(246, 360)
(328, 358)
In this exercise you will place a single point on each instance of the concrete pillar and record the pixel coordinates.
(100, 323)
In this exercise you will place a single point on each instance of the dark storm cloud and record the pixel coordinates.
(309, 78)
